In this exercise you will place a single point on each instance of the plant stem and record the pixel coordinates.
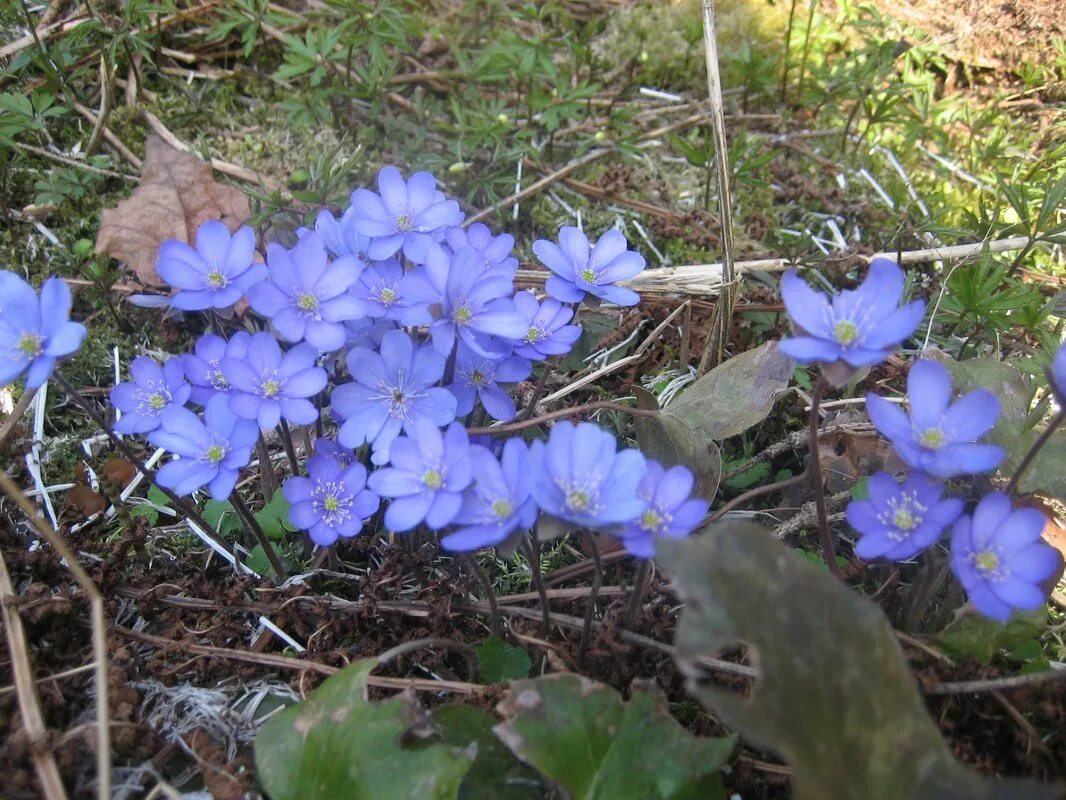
(806, 49)
(490, 595)
(640, 585)
(1043, 439)
(594, 591)
(266, 470)
(788, 47)
(815, 470)
(598, 405)
(180, 503)
(290, 450)
(254, 528)
(531, 549)
(538, 391)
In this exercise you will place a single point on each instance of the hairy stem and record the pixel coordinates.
(254, 528)
(531, 549)
(815, 471)
(538, 391)
(290, 449)
(594, 591)
(490, 595)
(640, 585)
(266, 470)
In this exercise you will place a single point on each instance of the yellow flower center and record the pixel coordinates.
(307, 302)
(502, 508)
(30, 345)
(388, 296)
(216, 453)
(463, 315)
(650, 520)
(932, 438)
(577, 500)
(846, 332)
(533, 335)
(216, 280)
(331, 503)
(433, 479)
(588, 275)
(271, 388)
(403, 223)
(987, 561)
(904, 520)
(157, 402)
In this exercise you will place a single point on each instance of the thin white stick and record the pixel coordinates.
(295, 645)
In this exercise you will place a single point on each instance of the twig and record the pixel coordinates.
(796, 440)
(16, 414)
(998, 684)
(67, 673)
(99, 638)
(587, 408)
(73, 162)
(808, 515)
(433, 641)
(751, 494)
(109, 135)
(714, 352)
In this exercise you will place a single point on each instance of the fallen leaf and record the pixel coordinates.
(177, 193)
(83, 500)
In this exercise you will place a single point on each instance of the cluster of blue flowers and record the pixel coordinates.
(997, 551)
(401, 326)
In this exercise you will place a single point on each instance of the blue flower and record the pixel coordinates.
(340, 236)
(1057, 374)
(382, 291)
(327, 448)
(391, 391)
(1001, 560)
(35, 331)
(939, 437)
(307, 297)
(152, 391)
(579, 477)
(670, 509)
(899, 521)
(478, 378)
(580, 272)
(426, 477)
(857, 328)
(548, 333)
(269, 385)
(495, 250)
(474, 303)
(217, 273)
(212, 450)
(498, 503)
(411, 214)
(331, 502)
(203, 366)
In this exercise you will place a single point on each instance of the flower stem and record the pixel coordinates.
(594, 591)
(531, 549)
(256, 530)
(1043, 439)
(538, 391)
(266, 470)
(814, 468)
(290, 450)
(180, 503)
(490, 595)
(640, 585)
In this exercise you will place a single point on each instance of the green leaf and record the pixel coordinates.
(834, 695)
(495, 774)
(273, 518)
(147, 511)
(596, 747)
(337, 744)
(977, 637)
(734, 395)
(156, 496)
(222, 516)
(499, 662)
(671, 442)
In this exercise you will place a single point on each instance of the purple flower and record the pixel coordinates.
(340, 236)
(382, 291)
(939, 437)
(152, 391)
(212, 450)
(475, 303)
(1057, 373)
(411, 214)
(580, 272)
(857, 328)
(331, 502)
(495, 250)
(670, 509)
(269, 385)
(478, 378)
(427, 476)
(327, 448)
(367, 332)
(499, 501)
(217, 273)
(307, 297)
(391, 391)
(35, 331)
(899, 521)
(547, 331)
(579, 477)
(1000, 559)
(203, 366)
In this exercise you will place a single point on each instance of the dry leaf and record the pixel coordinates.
(177, 193)
(84, 501)
(118, 472)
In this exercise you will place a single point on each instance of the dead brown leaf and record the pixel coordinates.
(177, 193)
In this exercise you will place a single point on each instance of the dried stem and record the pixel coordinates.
(414, 645)
(256, 530)
(587, 408)
(815, 471)
(594, 590)
(16, 414)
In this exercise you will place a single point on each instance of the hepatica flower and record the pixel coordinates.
(427, 475)
(403, 214)
(152, 391)
(478, 378)
(899, 521)
(547, 332)
(670, 510)
(939, 437)
(495, 251)
(340, 236)
(268, 384)
(581, 270)
(579, 476)
(331, 502)
(212, 450)
(391, 391)
(855, 328)
(1057, 374)
(35, 331)
(203, 366)
(498, 503)
(307, 297)
(1000, 558)
(382, 292)
(327, 448)
(217, 273)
